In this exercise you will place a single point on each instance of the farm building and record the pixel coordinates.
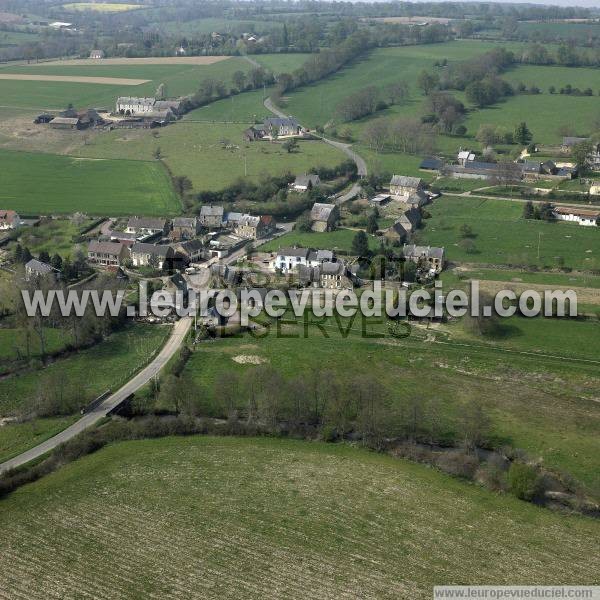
(151, 255)
(404, 225)
(211, 216)
(425, 256)
(401, 185)
(148, 107)
(68, 123)
(380, 199)
(223, 244)
(431, 164)
(464, 157)
(253, 133)
(585, 217)
(9, 219)
(43, 119)
(305, 182)
(97, 54)
(324, 217)
(107, 253)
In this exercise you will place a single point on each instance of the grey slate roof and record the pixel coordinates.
(571, 141)
(279, 122)
(411, 250)
(208, 210)
(321, 212)
(405, 181)
(184, 222)
(306, 178)
(39, 267)
(146, 223)
(113, 248)
(302, 252)
(153, 249)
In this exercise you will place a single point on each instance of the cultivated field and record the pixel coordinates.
(73, 79)
(275, 519)
(104, 7)
(149, 60)
(49, 184)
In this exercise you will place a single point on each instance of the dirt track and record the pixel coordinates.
(71, 79)
(152, 60)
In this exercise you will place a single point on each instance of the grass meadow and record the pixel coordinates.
(211, 155)
(501, 236)
(550, 412)
(340, 239)
(103, 7)
(274, 518)
(36, 183)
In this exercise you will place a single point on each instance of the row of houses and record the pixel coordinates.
(243, 225)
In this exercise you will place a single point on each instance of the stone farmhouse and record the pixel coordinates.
(254, 228)
(404, 225)
(282, 127)
(189, 250)
(324, 217)
(584, 217)
(401, 185)
(184, 228)
(151, 255)
(9, 219)
(426, 257)
(107, 254)
(211, 216)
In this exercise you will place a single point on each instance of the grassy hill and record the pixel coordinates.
(271, 519)
(36, 183)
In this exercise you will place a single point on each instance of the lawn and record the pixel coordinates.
(551, 413)
(112, 362)
(212, 156)
(13, 345)
(501, 236)
(35, 183)
(274, 518)
(340, 239)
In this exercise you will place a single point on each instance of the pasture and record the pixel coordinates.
(550, 414)
(274, 518)
(36, 183)
(500, 236)
(212, 155)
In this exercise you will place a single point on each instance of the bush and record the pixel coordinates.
(458, 463)
(522, 480)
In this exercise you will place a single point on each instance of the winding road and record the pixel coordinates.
(175, 340)
(361, 165)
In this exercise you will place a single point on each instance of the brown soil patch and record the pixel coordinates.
(73, 79)
(151, 60)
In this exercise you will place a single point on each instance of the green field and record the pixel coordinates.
(208, 25)
(340, 239)
(13, 344)
(564, 279)
(39, 95)
(502, 236)
(550, 413)
(199, 151)
(275, 519)
(49, 184)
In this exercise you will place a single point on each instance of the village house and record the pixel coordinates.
(594, 157)
(9, 219)
(184, 228)
(148, 107)
(151, 255)
(425, 257)
(324, 217)
(223, 244)
(419, 198)
(582, 216)
(189, 251)
(333, 275)
(36, 269)
(289, 259)
(144, 227)
(401, 185)
(404, 225)
(254, 228)
(305, 182)
(464, 157)
(97, 54)
(108, 254)
(211, 216)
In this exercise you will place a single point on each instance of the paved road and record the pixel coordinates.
(178, 334)
(361, 165)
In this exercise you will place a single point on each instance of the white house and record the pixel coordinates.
(144, 226)
(135, 106)
(9, 219)
(288, 259)
(585, 217)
